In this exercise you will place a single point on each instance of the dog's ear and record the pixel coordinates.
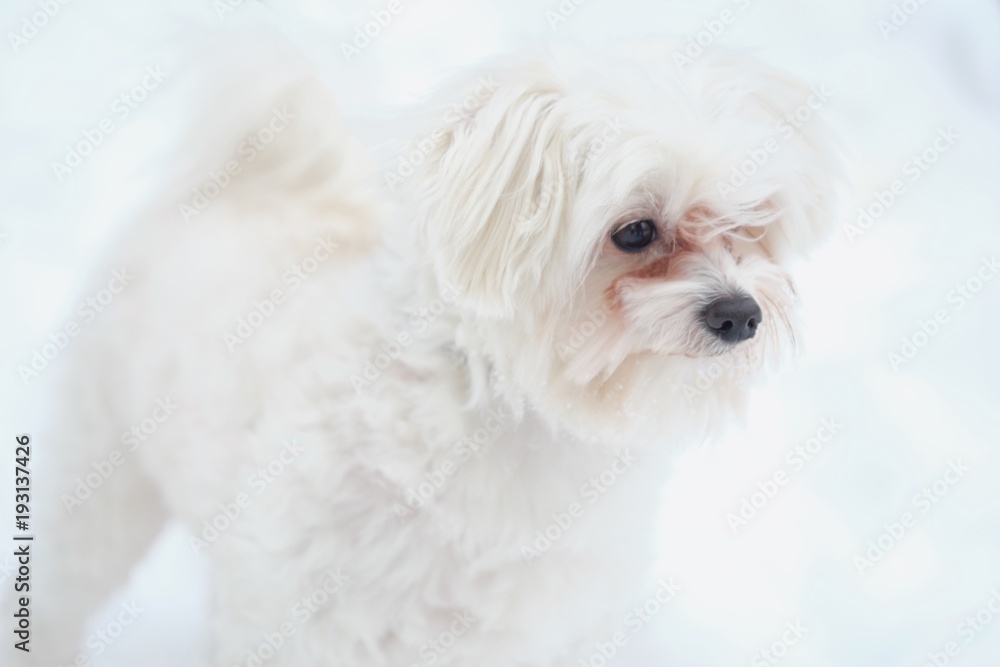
(799, 182)
(493, 194)
(808, 199)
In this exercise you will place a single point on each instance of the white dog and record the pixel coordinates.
(421, 418)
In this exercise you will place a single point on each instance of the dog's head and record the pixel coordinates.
(620, 230)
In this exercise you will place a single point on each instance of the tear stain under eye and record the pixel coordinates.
(655, 269)
(617, 290)
(687, 238)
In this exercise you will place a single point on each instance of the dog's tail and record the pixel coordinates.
(248, 126)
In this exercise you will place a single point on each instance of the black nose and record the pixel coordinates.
(733, 319)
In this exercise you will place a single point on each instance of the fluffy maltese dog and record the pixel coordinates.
(420, 415)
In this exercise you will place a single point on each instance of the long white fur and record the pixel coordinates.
(492, 258)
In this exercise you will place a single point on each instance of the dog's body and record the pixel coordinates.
(430, 432)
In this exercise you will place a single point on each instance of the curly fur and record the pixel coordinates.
(474, 326)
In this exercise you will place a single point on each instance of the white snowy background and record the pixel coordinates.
(902, 427)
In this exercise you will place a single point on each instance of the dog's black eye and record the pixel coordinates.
(635, 236)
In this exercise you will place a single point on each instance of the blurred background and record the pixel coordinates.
(859, 504)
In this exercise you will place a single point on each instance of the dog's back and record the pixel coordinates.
(157, 406)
